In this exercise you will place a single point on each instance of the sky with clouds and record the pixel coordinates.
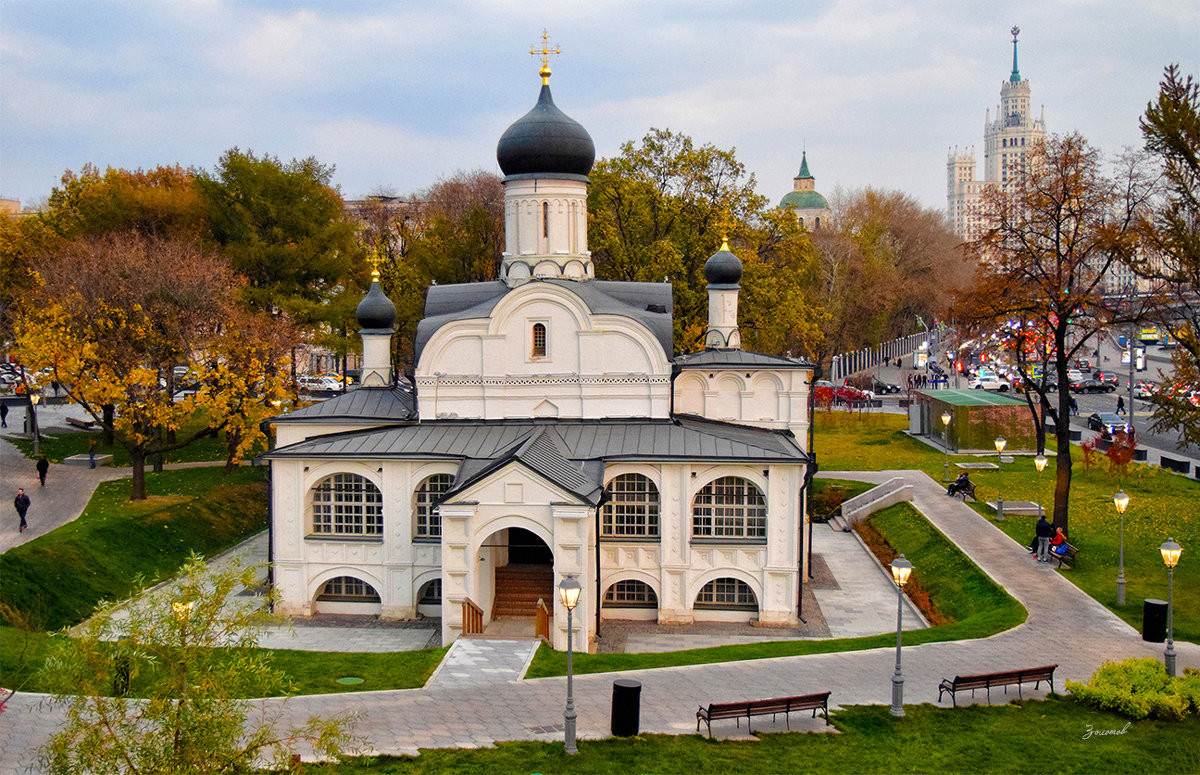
(399, 94)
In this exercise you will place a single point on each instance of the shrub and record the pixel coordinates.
(1092, 456)
(1140, 688)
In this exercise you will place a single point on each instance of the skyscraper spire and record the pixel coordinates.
(1016, 74)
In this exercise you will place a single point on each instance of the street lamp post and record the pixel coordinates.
(1170, 554)
(568, 593)
(901, 568)
(946, 417)
(1000, 442)
(1121, 501)
(1039, 463)
(34, 400)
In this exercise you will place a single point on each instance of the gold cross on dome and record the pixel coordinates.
(374, 259)
(544, 54)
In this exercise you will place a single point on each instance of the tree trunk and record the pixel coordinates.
(138, 458)
(1062, 460)
(109, 418)
(231, 444)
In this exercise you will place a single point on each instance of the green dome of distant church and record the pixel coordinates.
(804, 199)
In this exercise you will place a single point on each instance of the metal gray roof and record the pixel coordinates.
(544, 453)
(648, 303)
(738, 359)
(688, 438)
(394, 403)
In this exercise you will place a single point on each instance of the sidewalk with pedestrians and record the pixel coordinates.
(1064, 626)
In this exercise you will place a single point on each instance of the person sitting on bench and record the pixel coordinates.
(960, 485)
(1058, 543)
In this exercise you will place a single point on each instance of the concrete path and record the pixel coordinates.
(865, 601)
(483, 662)
(1065, 626)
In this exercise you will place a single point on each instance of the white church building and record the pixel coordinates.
(550, 431)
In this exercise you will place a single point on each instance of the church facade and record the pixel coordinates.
(549, 431)
(1008, 140)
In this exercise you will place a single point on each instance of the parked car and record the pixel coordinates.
(1144, 389)
(823, 383)
(989, 382)
(318, 384)
(883, 388)
(1107, 422)
(847, 394)
(1093, 386)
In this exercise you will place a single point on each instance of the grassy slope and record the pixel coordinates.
(978, 606)
(1162, 505)
(62, 575)
(1031, 737)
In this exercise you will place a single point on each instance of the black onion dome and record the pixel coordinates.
(723, 267)
(376, 310)
(546, 141)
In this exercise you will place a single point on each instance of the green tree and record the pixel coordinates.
(661, 207)
(1051, 239)
(283, 228)
(1171, 258)
(188, 652)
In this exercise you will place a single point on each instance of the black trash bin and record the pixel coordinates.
(1154, 620)
(626, 707)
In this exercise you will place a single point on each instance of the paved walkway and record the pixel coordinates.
(1065, 626)
(475, 662)
(864, 602)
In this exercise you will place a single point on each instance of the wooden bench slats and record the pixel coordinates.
(1068, 556)
(773, 706)
(1003, 678)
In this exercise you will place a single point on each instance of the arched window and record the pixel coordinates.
(631, 508)
(430, 593)
(347, 589)
(727, 593)
(729, 507)
(802, 222)
(630, 593)
(818, 223)
(545, 219)
(347, 504)
(539, 340)
(425, 500)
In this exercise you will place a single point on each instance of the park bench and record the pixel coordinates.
(81, 424)
(1068, 556)
(966, 491)
(784, 705)
(1005, 678)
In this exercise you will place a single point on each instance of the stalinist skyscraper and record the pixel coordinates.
(1007, 140)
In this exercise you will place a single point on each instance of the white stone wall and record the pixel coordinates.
(594, 365)
(545, 230)
(764, 398)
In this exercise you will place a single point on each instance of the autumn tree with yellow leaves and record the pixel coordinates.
(112, 316)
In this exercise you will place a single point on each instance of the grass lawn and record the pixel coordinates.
(61, 576)
(63, 445)
(1032, 736)
(1162, 505)
(973, 604)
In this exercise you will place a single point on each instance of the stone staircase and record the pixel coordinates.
(518, 588)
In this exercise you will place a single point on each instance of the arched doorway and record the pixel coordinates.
(521, 569)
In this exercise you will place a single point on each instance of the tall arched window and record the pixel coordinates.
(425, 500)
(631, 508)
(539, 340)
(545, 219)
(727, 593)
(347, 504)
(729, 507)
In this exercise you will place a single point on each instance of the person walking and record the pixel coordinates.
(92, 445)
(1044, 531)
(1074, 407)
(22, 504)
(3, 415)
(43, 465)
(1120, 404)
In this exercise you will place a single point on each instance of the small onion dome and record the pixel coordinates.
(376, 310)
(546, 141)
(723, 267)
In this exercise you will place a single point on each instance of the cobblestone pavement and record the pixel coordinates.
(1064, 626)
(479, 662)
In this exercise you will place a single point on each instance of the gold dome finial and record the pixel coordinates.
(374, 259)
(544, 53)
(725, 241)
